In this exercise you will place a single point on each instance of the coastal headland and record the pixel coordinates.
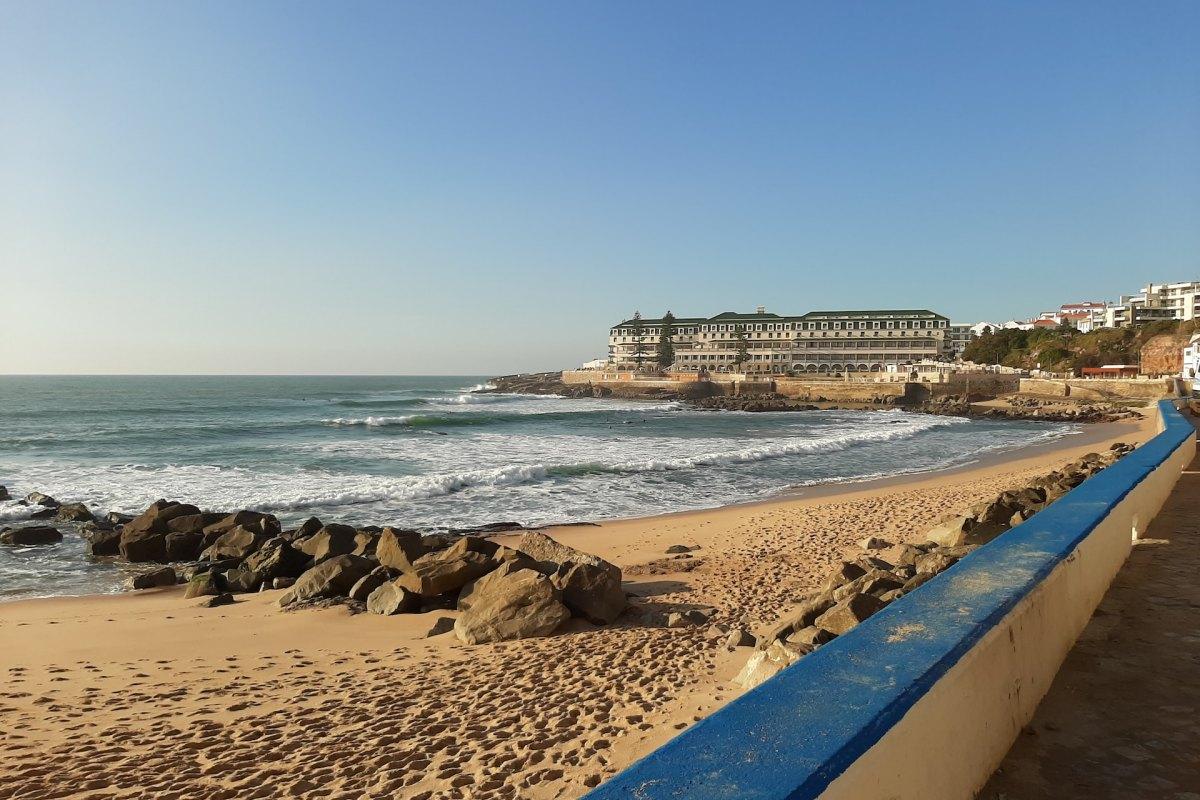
(150, 695)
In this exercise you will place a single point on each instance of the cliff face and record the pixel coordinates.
(1163, 354)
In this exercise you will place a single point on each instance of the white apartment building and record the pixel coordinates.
(1157, 301)
(958, 336)
(830, 342)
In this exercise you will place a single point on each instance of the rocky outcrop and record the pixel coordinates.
(73, 512)
(164, 576)
(392, 598)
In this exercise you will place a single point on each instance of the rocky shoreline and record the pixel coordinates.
(701, 396)
(502, 592)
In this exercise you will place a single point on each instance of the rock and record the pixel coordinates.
(39, 499)
(217, 600)
(800, 616)
(183, 546)
(30, 535)
(874, 543)
(399, 548)
(332, 578)
(391, 598)
(518, 605)
(678, 548)
(277, 558)
(440, 626)
(368, 583)
(117, 518)
(73, 512)
(935, 562)
(765, 664)
(899, 555)
(102, 542)
(43, 513)
(4, 495)
(917, 580)
(365, 542)
(848, 613)
(740, 637)
(152, 580)
(139, 545)
(843, 573)
(471, 544)
(677, 620)
(204, 584)
(549, 554)
(331, 540)
(590, 592)
(282, 583)
(308, 528)
(237, 542)
(242, 579)
(192, 523)
(434, 574)
(952, 531)
(812, 636)
(265, 524)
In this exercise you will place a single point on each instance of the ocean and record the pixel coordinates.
(421, 452)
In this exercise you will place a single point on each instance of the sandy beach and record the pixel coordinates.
(149, 696)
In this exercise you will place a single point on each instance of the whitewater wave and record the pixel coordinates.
(479, 387)
(370, 422)
(457, 418)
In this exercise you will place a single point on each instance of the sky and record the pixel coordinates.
(485, 187)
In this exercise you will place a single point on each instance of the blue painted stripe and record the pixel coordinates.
(790, 737)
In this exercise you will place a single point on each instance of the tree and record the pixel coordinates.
(639, 339)
(739, 336)
(666, 347)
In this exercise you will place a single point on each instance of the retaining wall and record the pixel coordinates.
(1098, 388)
(923, 700)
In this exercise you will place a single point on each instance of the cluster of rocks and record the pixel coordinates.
(502, 592)
(47, 508)
(885, 572)
(752, 403)
(1026, 408)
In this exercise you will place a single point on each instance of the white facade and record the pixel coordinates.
(1156, 301)
(1191, 363)
(820, 342)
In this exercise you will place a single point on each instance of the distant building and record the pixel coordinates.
(1156, 302)
(832, 342)
(958, 336)
(1112, 371)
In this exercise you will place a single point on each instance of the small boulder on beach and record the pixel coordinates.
(515, 605)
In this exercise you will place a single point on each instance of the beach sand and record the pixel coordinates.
(147, 695)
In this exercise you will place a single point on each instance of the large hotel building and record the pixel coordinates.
(817, 342)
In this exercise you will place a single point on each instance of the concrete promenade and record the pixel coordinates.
(1122, 718)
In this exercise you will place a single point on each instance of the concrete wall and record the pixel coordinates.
(923, 700)
(1099, 389)
(839, 391)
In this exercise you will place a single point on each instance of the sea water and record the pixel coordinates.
(422, 452)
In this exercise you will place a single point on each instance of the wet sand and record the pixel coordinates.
(149, 696)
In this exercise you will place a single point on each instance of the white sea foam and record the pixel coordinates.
(370, 422)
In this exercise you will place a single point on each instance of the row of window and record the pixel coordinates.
(731, 327)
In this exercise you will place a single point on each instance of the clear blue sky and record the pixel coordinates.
(484, 187)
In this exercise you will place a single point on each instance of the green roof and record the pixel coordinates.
(735, 316)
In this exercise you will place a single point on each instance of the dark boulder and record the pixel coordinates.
(237, 542)
(183, 546)
(206, 583)
(4, 495)
(39, 499)
(192, 523)
(73, 512)
(139, 544)
(308, 528)
(153, 579)
(102, 542)
(30, 535)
